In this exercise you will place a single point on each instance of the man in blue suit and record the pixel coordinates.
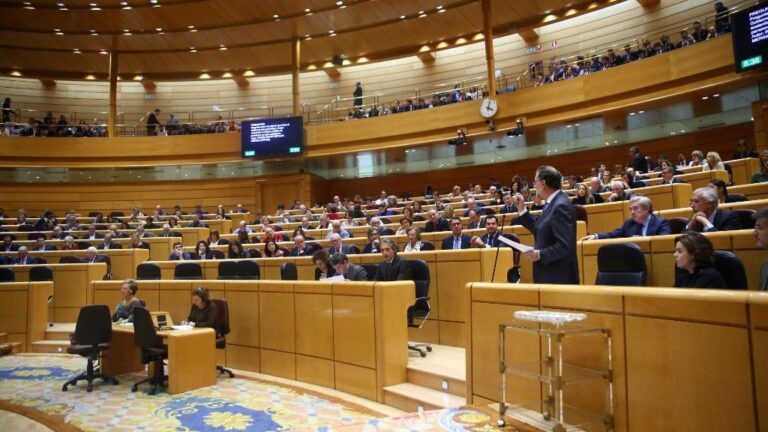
(337, 246)
(554, 231)
(457, 240)
(641, 223)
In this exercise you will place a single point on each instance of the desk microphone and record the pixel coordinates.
(500, 232)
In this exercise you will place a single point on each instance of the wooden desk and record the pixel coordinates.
(191, 357)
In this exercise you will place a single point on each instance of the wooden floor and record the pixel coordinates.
(444, 360)
(15, 422)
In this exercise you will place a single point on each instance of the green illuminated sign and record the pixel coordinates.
(753, 61)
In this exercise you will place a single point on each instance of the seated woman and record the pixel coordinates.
(203, 251)
(272, 250)
(323, 267)
(69, 244)
(583, 197)
(124, 309)
(405, 225)
(235, 250)
(243, 238)
(203, 311)
(216, 240)
(694, 256)
(414, 241)
(713, 162)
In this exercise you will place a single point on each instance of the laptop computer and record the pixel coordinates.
(162, 320)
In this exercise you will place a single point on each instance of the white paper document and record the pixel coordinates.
(519, 246)
(182, 327)
(335, 278)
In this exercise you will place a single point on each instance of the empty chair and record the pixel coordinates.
(419, 311)
(5, 260)
(427, 246)
(222, 319)
(677, 224)
(745, 217)
(152, 349)
(581, 213)
(313, 247)
(228, 270)
(6, 275)
(621, 264)
(93, 333)
(148, 271)
(69, 259)
(732, 270)
(370, 270)
(217, 254)
(288, 271)
(188, 271)
(254, 253)
(40, 274)
(247, 269)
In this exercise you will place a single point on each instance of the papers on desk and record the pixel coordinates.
(335, 278)
(519, 246)
(182, 327)
(125, 323)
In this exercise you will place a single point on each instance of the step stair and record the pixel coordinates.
(434, 382)
(6, 347)
(56, 339)
(59, 331)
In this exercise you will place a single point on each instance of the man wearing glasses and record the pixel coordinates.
(554, 230)
(457, 240)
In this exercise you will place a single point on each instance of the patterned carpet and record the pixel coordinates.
(31, 385)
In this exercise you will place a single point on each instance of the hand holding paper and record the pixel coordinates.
(519, 246)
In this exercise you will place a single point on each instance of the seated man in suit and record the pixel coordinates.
(668, 176)
(8, 244)
(707, 217)
(457, 240)
(642, 222)
(509, 206)
(240, 209)
(595, 187)
(472, 205)
(178, 253)
(761, 237)
(491, 237)
(350, 271)
(116, 234)
(91, 256)
(242, 226)
(374, 241)
(635, 180)
(337, 229)
(142, 233)
(436, 222)
(337, 246)
(392, 268)
(167, 231)
(23, 257)
(92, 234)
(138, 243)
(196, 222)
(108, 243)
(300, 248)
(149, 223)
(382, 230)
(619, 194)
(58, 233)
(41, 246)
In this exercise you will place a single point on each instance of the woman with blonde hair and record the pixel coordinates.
(713, 162)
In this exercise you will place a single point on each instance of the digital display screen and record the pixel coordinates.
(272, 137)
(750, 37)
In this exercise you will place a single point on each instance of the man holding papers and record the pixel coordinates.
(554, 230)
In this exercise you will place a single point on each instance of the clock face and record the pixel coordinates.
(489, 108)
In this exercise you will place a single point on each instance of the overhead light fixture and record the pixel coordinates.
(276, 16)
(192, 49)
(249, 73)
(402, 16)
(204, 76)
(103, 51)
(16, 73)
(90, 77)
(307, 10)
(226, 75)
(222, 48)
(138, 78)
(77, 51)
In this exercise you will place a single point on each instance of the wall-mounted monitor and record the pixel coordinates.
(750, 37)
(274, 137)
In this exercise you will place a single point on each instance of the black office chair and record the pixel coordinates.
(6, 260)
(254, 253)
(387, 232)
(313, 247)
(6, 275)
(69, 259)
(222, 317)
(93, 333)
(217, 254)
(228, 270)
(188, 271)
(148, 271)
(248, 270)
(370, 270)
(40, 274)
(621, 264)
(581, 213)
(419, 311)
(745, 217)
(152, 348)
(288, 271)
(427, 246)
(39, 260)
(356, 250)
(732, 270)
(677, 225)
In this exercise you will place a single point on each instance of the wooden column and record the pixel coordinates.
(489, 58)
(112, 121)
(295, 66)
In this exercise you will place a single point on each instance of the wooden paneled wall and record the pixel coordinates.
(621, 22)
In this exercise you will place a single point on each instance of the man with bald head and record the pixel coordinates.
(436, 222)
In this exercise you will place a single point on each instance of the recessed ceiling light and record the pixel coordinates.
(103, 51)
(60, 4)
(307, 37)
(16, 73)
(402, 16)
(153, 1)
(716, 95)
(339, 3)
(77, 51)
(192, 49)
(90, 77)
(330, 31)
(276, 16)
(204, 76)
(159, 29)
(222, 48)
(123, 3)
(704, 97)
(307, 10)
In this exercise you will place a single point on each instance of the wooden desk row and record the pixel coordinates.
(742, 169)
(159, 247)
(350, 336)
(683, 360)
(190, 235)
(25, 311)
(124, 261)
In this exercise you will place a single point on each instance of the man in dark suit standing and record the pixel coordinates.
(457, 240)
(554, 230)
(639, 163)
(300, 248)
(350, 271)
(707, 217)
(435, 222)
(393, 268)
(642, 222)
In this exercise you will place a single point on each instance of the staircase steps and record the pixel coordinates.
(56, 339)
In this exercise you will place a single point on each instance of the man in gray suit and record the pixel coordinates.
(761, 236)
(349, 271)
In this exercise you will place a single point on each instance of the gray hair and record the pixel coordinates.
(644, 202)
(708, 194)
(615, 183)
(391, 243)
(334, 237)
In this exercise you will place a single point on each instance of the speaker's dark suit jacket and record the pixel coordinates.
(724, 221)
(397, 270)
(554, 231)
(448, 242)
(656, 226)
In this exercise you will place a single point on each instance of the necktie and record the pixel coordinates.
(456, 243)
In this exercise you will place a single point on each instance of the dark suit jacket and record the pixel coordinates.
(96, 259)
(554, 231)
(198, 224)
(674, 180)
(142, 245)
(448, 242)
(724, 221)
(11, 248)
(508, 209)
(398, 270)
(639, 163)
(369, 249)
(28, 260)
(707, 277)
(442, 225)
(656, 226)
(45, 248)
(493, 242)
(112, 245)
(356, 273)
(304, 252)
(174, 257)
(480, 224)
(347, 249)
(97, 235)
